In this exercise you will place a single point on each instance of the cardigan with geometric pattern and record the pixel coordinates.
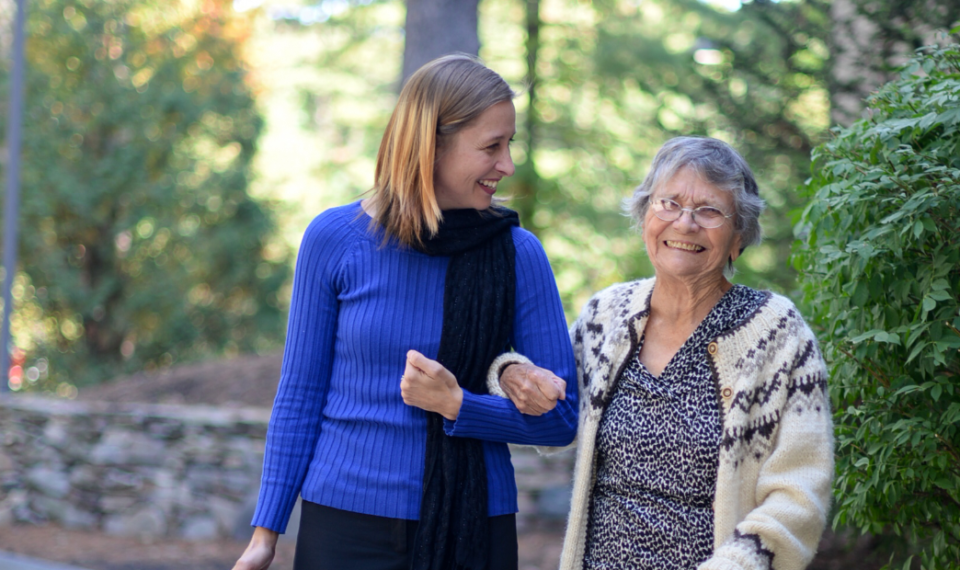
(776, 452)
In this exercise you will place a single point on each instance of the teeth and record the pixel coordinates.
(685, 246)
(491, 184)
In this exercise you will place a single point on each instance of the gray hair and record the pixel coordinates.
(717, 163)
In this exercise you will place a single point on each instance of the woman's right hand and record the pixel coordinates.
(260, 552)
(533, 390)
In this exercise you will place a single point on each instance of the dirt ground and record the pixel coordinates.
(247, 380)
(539, 550)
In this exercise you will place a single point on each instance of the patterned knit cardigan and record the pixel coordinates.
(776, 452)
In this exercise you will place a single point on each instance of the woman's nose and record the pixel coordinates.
(505, 165)
(686, 220)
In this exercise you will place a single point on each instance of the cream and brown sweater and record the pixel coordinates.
(776, 452)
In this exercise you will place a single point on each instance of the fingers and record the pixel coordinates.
(532, 389)
(431, 368)
(428, 366)
(428, 385)
(551, 386)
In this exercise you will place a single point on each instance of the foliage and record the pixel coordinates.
(328, 93)
(616, 79)
(613, 80)
(880, 266)
(140, 245)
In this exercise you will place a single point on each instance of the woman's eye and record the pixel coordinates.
(709, 213)
(669, 205)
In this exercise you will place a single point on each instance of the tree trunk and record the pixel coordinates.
(852, 76)
(871, 39)
(438, 27)
(526, 182)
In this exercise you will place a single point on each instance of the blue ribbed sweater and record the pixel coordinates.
(340, 434)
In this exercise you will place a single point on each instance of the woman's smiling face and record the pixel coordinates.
(682, 249)
(470, 166)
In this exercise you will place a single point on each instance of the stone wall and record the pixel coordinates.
(128, 469)
(162, 470)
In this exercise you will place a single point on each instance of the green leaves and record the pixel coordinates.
(879, 259)
(878, 336)
(140, 243)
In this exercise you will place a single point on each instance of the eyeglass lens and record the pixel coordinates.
(704, 216)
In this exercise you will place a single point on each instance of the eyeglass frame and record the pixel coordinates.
(658, 209)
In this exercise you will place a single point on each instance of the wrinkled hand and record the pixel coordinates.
(427, 385)
(260, 552)
(532, 389)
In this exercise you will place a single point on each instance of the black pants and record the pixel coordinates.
(331, 539)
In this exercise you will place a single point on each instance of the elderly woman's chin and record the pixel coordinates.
(698, 267)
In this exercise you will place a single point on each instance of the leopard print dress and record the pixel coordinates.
(657, 455)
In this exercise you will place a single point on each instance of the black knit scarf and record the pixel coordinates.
(478, 309)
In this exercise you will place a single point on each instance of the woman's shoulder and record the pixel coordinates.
(525, 242)
(634, 293)
(335, 231)
(530, 255)
(775, 312)
(524, 238)
(620, 300)
(338, 217)
(347, 221)
(777, 306)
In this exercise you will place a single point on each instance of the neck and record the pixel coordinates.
(369, 207)
(684, 301)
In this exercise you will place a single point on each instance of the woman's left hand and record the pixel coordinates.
(427, 385)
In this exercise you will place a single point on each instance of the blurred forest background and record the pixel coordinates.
(175, 151)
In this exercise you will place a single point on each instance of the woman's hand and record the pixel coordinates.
(427, 385)
(260, 552)
(532, 389)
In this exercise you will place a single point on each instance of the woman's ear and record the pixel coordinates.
(736, 249)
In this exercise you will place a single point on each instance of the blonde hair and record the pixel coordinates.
(439, 100)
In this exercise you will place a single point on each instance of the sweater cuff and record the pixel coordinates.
(470, 419)
(498, 366)
(740, 552)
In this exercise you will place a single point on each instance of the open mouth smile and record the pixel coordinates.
(489, 185)
(684, 246)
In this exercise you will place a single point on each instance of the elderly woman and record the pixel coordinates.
(705, 437)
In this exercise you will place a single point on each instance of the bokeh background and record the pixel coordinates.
(173, 152)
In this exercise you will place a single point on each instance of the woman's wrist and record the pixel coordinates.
(452, 410)
(265, 536)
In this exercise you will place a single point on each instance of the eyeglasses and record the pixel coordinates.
(705, 216)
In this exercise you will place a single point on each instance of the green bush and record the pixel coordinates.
(879, 259)
(140, 245)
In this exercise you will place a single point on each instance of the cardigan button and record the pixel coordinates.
(726, 393)
(712, 348)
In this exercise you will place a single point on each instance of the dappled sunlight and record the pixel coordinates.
(611, 86)
(175, 152)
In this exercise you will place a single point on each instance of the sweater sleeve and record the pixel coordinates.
(793, 486)
(295, 422)
(539, 333)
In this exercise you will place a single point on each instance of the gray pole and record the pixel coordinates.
(11, 200)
